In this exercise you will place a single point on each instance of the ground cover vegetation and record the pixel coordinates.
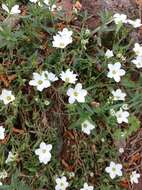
(70, 98)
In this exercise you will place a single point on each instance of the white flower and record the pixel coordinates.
(33, 1)
(109, 53)
(46, 2)
(134, 177)
(87, 127)
(53, 7)
(46, 102)
(1, 183)
(40, 81)
(76, 94)
(14, 10)
(61, 183)
(65, 33)
(115, 71)
(50, 76)
(91, 174)
(122, 116)
(87, 187)
(37, 1)
(11, 157)
(87, 32)
(3, 174)
(118, 95)
(138, 61)
(135, 23)
(44, 152)
(2, 130)
(103, 140)
(121, 150)
(137, 49)
(125, 107)
(71, 175)
(6, 96)
(120, 18)
(68, 76)
(62, 39)
(119, 55)
(114, 170)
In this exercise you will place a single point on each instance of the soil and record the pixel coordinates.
(132, 157)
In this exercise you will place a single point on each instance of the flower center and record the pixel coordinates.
(62, 44)
(114, 72)
(40, 82)
(67, 79)
(114, 169)
(85, 125)
(75, 94)
(62, 184)
(8, 98)
(117, 97)
(44, 151)
(119, 115)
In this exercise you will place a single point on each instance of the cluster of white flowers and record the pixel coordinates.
(15, 9)
(62, 38)
(44, 79)
(38, 1)
(138, 51)
(76, 93)
(45, 2)
(121, 115)
(122, 18)
(115, 170)
(62, 184)
(115, 72)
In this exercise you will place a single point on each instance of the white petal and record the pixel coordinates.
(71, 100)
(33, 83)
(70, 91)
(4, 7)
(15, 10)
(42, 145)
(116, 78)
(49, 147)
